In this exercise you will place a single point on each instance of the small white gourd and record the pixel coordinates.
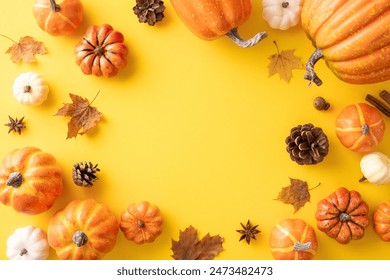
(282, 14)
(30, 89)
(375, 167)
(28, 243)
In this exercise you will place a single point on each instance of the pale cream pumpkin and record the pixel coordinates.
(282, 14)
(30, 89)
(28, 243)
(375, 167)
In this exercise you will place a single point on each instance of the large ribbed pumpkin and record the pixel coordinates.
(360, 127)
(83, 230)
(211, 19)
(352, 36)
(58, 17)
(30, 180)
(293, 239)
(381, 220)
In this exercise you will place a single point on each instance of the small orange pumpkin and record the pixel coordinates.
(353, 37)
(141, 222)
(360, 127)
(343, 215)
(83, 230)
(102, 51)
(30, 180)
(60, 17)
(381, 221)
(293, 239)
(211, 19)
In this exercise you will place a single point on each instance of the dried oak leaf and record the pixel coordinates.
(83, 115)
(283, 63)
(296, 194)
(25, 50)
(189, 247)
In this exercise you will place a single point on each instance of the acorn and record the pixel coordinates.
(320, 103)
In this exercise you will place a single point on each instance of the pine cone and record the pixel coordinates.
(307, 144)
(150, 11)
(84, 174)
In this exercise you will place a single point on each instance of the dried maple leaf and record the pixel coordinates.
(83, 115)
(189, 247)
(25, 50)
(297, 194)
(283, 63)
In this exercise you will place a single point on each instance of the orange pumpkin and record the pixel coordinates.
(141, 222)
(60, 17)
(360, 127)
(293, 239)
(30, 180)
(352, 36)
(211, 19)
(83, 230)
(343, 215)
(381, 221)
(102, 51)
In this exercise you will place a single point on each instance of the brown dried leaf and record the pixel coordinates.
(297, 194)
(283, 63)
(25, 50)
(83, 116)
(188, 247)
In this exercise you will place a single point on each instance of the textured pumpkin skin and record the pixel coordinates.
(42, 180)
(381, 221)
(210, 19)
(63, 22)
(349, 127)
(343, 215)
(141, 222)
(92, 218)
(288, 233)
(102, 51)
(354, 37)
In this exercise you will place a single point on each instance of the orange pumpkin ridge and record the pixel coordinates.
(353, 37)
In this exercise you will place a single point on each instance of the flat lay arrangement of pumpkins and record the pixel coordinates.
(353, 37)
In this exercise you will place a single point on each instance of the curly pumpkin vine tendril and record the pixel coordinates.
(236, 38)
(310, 73)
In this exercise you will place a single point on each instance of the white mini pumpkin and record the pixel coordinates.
(282, 14)
(28, 243)
(375, 167)
(30, 89)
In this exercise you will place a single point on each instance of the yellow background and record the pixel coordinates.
(195, 127)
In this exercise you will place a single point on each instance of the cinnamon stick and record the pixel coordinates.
(385, 95)
(378, 104)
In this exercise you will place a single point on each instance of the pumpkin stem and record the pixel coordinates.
(298, 246)
(362, 179)
(27, 89)
(54, 6)
(23, 252)
(310, 73)
(344, 217)
(235, 37)
(365, 129)
(15, 179)
(285, 4)
(140, 224)
(80, 238)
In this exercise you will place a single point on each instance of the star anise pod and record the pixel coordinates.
(248, 232)
(15, 125)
